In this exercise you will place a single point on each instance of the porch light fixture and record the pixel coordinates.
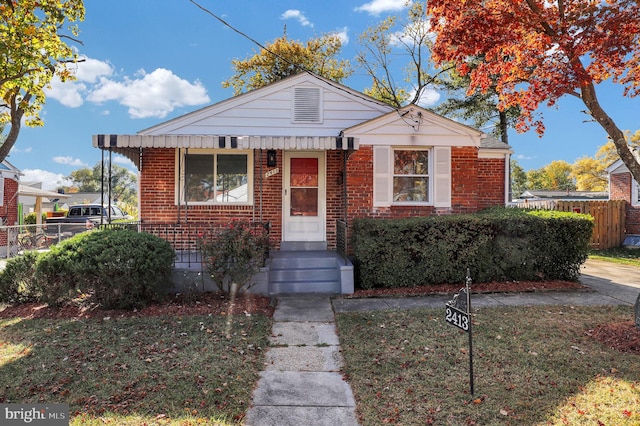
(271, 158)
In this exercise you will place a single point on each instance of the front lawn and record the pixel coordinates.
(621, 255)
(533, 366)
(172, 369)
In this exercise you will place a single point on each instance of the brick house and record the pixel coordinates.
(622, 186)
(10, 176)
(306, 155)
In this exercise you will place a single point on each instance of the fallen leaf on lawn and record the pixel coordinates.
(477, 401)
(504, 412)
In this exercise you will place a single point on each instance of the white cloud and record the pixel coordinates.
(298, 16)
(376, 7)
(118, 159)
(15, 150)
(429, 97)
(342, 34)
(150, 95)
(71, 93)
(524, 157)
(411, 33)
(147, 95)
(50, 181)
(69, 161)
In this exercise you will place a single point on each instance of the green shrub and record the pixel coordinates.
(55, 277)
(233, 254)
(498, 244)
(17, 279)
(119, 268)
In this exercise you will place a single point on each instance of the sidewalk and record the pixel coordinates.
(302, 383)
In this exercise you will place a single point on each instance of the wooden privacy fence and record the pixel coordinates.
(609, 217)
(608, 230)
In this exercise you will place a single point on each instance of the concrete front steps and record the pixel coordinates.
(308, 267)
(298, 267)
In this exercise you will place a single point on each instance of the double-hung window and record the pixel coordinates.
(411, 176)
(216, 177)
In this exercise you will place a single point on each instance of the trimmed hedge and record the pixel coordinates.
(116, 268)
(496, 245)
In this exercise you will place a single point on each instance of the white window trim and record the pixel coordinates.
(635, 193)
(180, 178)
(429, 175)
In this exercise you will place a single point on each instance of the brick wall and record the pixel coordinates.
(491, 182)
(158, 195)
(476, 184)
(620, 189)
(9, 209)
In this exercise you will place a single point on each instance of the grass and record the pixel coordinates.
(533, 366)
(620, 255)
(155, 370)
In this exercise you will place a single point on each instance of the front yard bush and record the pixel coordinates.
(115, 268)
(498, 244)
(233, 253)
(17, 280)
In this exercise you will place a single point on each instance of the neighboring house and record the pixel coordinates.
(622, 186)
(10, 176)
(34, 199)
(304, 153)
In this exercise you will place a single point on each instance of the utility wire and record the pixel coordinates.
(254, 41)
(297, 66)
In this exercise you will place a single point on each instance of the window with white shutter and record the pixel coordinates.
(381, 176)
(442, 177)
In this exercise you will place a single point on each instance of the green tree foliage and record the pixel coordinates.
(123, 182)
(284, 57)
(590, 173)
(480, 108)
(554, 176)
(518, 179)
(32, 52)
(398, 44)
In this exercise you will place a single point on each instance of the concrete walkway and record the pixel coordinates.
(302, 383)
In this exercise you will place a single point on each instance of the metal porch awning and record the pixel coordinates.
(131, 145)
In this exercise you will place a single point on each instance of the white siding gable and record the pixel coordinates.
(323, 109)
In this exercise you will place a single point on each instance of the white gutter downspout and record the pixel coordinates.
(507, 179)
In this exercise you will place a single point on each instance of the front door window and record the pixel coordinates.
(304, 187)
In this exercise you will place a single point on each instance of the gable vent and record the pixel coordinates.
(307, 103)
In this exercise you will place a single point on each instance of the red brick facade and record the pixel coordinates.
(475, 184)
(9, 208)
(620, 188)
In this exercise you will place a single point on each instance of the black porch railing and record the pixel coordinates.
(183, 237)
(341, 239)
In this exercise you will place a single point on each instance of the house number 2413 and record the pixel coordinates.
(457, 318)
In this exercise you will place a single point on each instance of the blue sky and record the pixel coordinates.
(148, 61)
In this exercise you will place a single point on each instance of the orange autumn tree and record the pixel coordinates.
(536, 51)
